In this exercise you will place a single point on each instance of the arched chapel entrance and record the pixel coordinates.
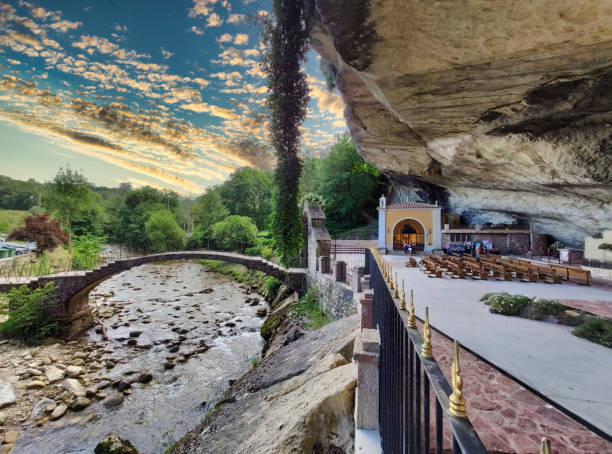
(410, 231)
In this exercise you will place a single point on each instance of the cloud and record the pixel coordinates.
(201, 8)
(241, 38)
(65, 25)
(236, 18)
(91, 43)
(13, 62)
(327, 101)
(224, 38)
(214, 20)
(196, 30)
(166, 54)
(120, 28)
(216, 111)
(231, 79)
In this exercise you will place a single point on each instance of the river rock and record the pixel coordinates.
(145, 377)
(74, 371)
(7, 395)
(114, 444)
(3, 417)
(74, 387)
(80, 403)
(135, 333)
(104, 384)
(262, 312)
(11, 437)
(5, 449)
(78, 362)
(35, 384)
(59, 411)
(80, 355)
(91, 391)
(53, 374)
(40, 408)
(113, 399)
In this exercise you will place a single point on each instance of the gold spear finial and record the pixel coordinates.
(403, 300)
(411, 318)
(545, 447)
(396, 294)
(426, 349)
(457, 402)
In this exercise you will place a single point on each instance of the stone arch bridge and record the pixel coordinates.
(71, 308)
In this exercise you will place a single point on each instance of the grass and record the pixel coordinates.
(308, 310)
(10, 219)
(596, 330)
(235, 270)
(255, 362)
(541, 309)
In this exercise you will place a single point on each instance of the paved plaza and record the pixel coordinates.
(570, 371)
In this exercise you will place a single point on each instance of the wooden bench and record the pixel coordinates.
(568, 272)
(545, 272)
(522, 273)
(500, 271)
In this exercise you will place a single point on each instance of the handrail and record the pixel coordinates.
(408, 375)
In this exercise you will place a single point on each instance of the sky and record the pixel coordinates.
(162, 93)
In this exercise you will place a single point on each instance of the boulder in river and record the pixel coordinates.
(53, 374)
(114, 444)
(74, 387)
(80, 403)
(59, 411)
(7, 395)
(113, 399)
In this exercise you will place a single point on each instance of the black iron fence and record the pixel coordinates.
(411, 382)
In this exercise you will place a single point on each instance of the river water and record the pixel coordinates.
(168, 303)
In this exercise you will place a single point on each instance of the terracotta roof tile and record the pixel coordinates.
(406, 205)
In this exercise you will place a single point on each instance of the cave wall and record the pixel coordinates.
(499, 110)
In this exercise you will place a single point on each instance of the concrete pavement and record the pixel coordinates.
(573, 372)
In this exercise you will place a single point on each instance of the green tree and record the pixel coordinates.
(286, 44)
(134, 212)
(70, 197)
(163, 232)
(248, 192)
(208, 209)
(349, 186)
(235, 233)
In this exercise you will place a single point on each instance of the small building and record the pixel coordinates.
(427, 228)
(412, 222)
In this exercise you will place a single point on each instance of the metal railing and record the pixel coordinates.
(42, 266)
(410, 377)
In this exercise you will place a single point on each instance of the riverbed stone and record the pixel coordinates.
(35, 384)
(74, 371)
(40, 408)
(53, 374)
(114, 444)
(80, 403)
(3, 417)
(74, 387)
(11, 436)
(59, 411)
(78, 362)
(7, 395)
(114, 399)
(145, 377)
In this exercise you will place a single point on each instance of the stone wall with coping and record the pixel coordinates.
(335, 298)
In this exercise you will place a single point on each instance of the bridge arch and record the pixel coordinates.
(71, 302)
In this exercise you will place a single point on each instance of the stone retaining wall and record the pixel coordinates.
(335, 298)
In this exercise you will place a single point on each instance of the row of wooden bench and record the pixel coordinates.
(499, 268)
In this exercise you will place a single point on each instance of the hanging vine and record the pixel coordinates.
(286, 43)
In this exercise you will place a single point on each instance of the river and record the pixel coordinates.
(180, 308)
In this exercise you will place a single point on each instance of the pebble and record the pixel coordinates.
(11, 436)
(35, 384)
(80, 403)
(74, 371)
(3, 417)
(74, 387)
(113, 400)
(59, 411)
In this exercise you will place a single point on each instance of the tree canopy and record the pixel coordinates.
(46, 232)
(163, 232)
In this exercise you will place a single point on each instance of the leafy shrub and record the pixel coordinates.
(262, 251)
(272, 286)
(163, 232)
(46, 232)
(235, 232)
(85, 250)
(505, 304)
(314, 200)
(27, 319)
(541, 309)
(596, 330)
(308, 308)
(485, 298)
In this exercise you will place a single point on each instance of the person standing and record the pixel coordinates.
(405, 248)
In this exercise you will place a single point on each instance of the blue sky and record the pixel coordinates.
(165, 93)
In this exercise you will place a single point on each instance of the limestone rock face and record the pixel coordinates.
(299, 399)
(499, 110)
